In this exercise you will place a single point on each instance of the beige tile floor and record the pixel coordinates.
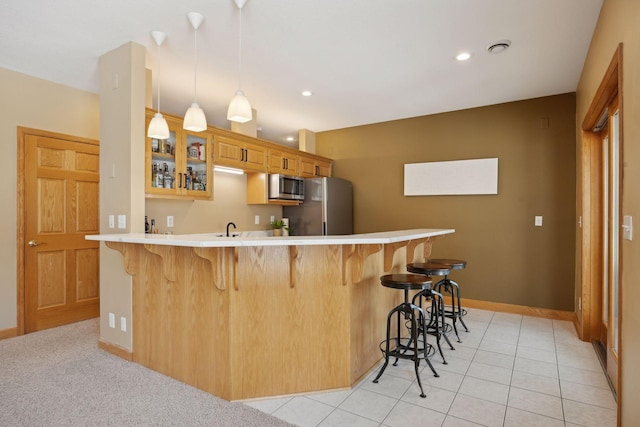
(509, 370)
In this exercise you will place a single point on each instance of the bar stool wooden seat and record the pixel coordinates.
(414, 347)
(455, 311)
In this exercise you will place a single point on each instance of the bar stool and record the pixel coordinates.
(455, 311)
(415, 346)
(437, 325)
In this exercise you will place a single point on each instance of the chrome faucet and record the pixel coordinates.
(234, 227)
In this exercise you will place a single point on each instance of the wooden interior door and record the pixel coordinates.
(61, 268)
(604, 295)
(607, 338)
(611, 300)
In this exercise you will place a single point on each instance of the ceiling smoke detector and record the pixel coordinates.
(499, 46)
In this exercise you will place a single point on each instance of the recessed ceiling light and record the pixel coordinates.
(463, 56)
(290, 138)
(499, 46)
(307, 93)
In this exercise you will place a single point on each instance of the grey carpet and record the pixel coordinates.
(59, 377)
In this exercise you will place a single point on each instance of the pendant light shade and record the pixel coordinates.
(158, 127)
(194, 119)
(239, 107)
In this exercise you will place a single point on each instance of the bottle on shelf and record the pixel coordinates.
(159, 177)
(173, 178)
(187, 179)
(154, 175)
(147, 227)
(168, 181)
(152, 229)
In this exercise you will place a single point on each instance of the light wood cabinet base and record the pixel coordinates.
(251, 322)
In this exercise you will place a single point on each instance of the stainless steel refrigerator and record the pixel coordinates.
(327, 208)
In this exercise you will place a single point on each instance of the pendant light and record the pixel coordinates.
(158, 128)
(194, 119)
(239, 107)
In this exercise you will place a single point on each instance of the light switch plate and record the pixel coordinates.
(112, 320)
(169, 221)
(538, 221)
(257, 219)
(627, 227)
(122, 221)
(112, 221)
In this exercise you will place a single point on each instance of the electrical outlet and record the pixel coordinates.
(123, 324)
(538, 221)
(122, 221)
(273, 218)
(169, 221)
(257, 219)
(112, 221)
(112, 320)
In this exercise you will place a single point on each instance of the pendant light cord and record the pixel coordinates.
(158, 73)
(195, 66)
(240, 53)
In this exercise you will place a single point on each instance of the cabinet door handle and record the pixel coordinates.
(244, 155)
(317, 170)
(180, 180)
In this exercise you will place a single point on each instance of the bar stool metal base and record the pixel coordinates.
(415, 347)
(455, 312)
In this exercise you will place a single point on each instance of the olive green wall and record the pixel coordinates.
(618, 23)
(509, 260)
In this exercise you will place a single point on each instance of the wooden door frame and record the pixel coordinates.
(591, 256)
(22, 133)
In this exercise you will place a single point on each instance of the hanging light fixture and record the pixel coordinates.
(239, 107)
(194, 119)
(158, 128)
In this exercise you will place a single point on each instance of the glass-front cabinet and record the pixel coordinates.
(178, 167)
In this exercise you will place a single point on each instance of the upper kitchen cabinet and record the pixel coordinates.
(284, 162)
(311, 167)
(178, 167)
(238, 153)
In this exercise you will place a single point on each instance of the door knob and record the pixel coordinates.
(33, 243)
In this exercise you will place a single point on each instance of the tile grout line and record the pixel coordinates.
(465, 374)
(513, 366)
(564, 416)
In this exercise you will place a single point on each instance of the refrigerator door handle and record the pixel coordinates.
(324, 228)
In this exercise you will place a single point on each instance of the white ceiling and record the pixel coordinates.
(366, 61)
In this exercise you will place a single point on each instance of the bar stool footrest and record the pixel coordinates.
(448, 310)
(403, 348)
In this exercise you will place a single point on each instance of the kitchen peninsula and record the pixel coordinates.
(247, 317)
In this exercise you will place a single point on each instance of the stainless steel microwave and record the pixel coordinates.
(286, 187)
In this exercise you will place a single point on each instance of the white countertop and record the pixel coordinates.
(213, 239)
